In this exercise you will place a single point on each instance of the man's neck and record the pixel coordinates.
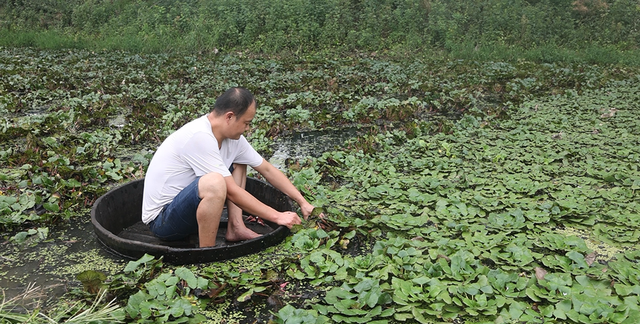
(216, 128)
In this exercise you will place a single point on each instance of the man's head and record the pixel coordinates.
(234, 111)
(236, 100)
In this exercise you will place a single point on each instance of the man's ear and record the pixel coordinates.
(228, 115)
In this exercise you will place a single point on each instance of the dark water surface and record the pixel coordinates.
(52, 264)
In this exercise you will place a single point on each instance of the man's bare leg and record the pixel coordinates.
(236, 229)
(213, 191)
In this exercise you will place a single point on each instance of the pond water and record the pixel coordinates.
(51, 265)
(71, 247)
(300, 145)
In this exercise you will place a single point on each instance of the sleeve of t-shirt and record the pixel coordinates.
(202, 154)
(247, 154)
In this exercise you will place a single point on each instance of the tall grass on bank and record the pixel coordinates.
(45, 39)
(54, 39)
(599, 31)
(594, 54)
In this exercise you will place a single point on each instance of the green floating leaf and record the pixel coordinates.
(350, 235)
(417, 315)
(188, 276)
(246, 296)
(89, 275)
(296, 228)
(51, 207)
(20, 237)
(317, 211)
(43, 232)
(91, 280)
(402, 316)
(133, 265)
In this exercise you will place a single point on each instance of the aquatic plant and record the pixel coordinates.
(482, 192)
(470, 224)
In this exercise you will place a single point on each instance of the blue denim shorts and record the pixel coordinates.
(177, 220)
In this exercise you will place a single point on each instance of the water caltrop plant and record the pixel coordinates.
(483, 192)
(75, 122)
(477, 224)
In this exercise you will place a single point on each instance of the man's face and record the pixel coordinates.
(239, 125)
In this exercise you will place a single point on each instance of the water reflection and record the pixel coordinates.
(300, 145)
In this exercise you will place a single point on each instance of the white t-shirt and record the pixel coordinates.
(190, 152)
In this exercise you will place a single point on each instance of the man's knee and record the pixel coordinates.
(212, 185)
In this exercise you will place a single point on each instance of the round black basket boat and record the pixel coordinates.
(116, 217)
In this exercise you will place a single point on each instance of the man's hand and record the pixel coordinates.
(288, 219)
(306, 210)
(280, 181)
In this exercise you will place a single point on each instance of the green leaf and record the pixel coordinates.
(246, 296)
(532, 293)
(43, 232)
(52, 207)
(559, 313)
(317, 211)
(350, 235)
(133, 265)
(73, 183)
(625, 290)
(20, 237)
(546, 311)
(561, 309)
(338, 293)
(402, 316)
(372, 298)
(516, 309)
(388, 312)
(578, 258)
(417, 315)
(188, 276)
(421, 280)
(91, 280)
(296, 228)
(366, 284)
(259, 288)
(134, 303)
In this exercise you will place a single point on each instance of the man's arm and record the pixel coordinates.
(253, 206)
(280, 181)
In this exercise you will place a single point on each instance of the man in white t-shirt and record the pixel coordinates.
(202, 166)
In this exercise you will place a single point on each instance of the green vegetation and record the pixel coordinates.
(481, 191)
(603, 31)
(495, 176)
(472, 223)
(95, 312)
(75, 122)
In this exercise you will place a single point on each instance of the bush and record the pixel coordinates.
(275, 26)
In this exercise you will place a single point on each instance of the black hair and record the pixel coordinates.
(237, 100)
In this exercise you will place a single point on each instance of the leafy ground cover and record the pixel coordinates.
(481, 192)
(472, 224)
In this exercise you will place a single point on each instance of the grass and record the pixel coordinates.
(545, 53)
(49, 39)
(590, 54)
(25, 308)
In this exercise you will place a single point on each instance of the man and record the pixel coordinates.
(202, 166)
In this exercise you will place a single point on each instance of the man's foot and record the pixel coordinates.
(240, 233)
